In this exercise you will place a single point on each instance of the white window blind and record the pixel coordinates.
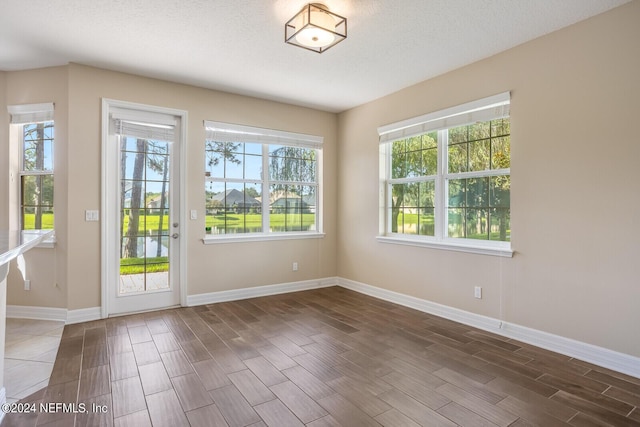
(228, 132)
(144, 125)
(31, 113)
(490, 108)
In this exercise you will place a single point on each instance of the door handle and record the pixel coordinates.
(175, 235)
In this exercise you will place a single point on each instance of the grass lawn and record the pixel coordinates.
(137, 265)
(255, 220)
(30, 221)
(410, 221)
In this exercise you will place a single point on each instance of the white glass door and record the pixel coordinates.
(144, 215)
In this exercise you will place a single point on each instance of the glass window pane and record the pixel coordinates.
(214, 164)
(252, 167)
(499, 195)
(426, 222)
(37, 149)
(399, 165)
(253, 148)
(501, 153)
(455, 218)
(132, 165)
(252, 208)
(500, 127)
(457, 192)
(479, 154)
(500, 224)
(231, 148)
(476, 224)
(307, 171)
(398, 159)
(48, 155)
(410, 199)
(215, 213)
(234, 167)
(429, 162)
(427, 191)
(309, 202)
(284, 164)
(128, 143)
(276, 150)
(458, 158)
(157, 167)
(477, 192)
(429, 140)
(458, 135)
(36, 201)
(479, 130)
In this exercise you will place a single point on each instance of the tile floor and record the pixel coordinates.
(325, 357)
(30, 351)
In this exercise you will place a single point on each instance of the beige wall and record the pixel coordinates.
(575, 198)
(46, 268)
(209, 268)
(75, 262)
(4, 158)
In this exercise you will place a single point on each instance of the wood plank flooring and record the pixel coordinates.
(326, 357)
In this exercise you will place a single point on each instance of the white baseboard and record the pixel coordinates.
(84, 315)
(468, 318)
(57, 314)
(38, 313)
(259, 291)
(600, 356)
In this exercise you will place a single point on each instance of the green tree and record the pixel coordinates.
(292, 164)
(251, 192)
(411, 157)
(131, 247)
(475, 202)
(217, 151)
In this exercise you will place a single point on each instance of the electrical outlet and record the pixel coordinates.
(295, 266)
(477, 292)
(27, 285)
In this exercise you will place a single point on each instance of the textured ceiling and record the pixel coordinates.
(237, 45)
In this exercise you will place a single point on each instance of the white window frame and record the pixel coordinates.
(21, 115)
(486, 109)
(230, 132)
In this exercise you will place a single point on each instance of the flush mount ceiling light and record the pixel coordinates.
(315, 28)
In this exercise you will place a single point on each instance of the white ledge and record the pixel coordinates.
(479, 248)
(249, 237)
(48, 243)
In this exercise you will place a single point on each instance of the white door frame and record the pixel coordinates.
(110, 191)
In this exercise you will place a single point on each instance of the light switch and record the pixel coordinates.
(90, 215)
(194, 214)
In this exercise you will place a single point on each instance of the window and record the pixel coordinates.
(261, 182)
(35, 133)
(447, 178)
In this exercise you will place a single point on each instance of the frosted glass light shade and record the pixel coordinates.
(315, 28)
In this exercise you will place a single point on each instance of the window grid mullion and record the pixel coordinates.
(477, 174)
(265, 189)
(441, 221)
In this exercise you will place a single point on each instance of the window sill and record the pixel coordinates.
(49, 243)
(214, 240)
(482, 249)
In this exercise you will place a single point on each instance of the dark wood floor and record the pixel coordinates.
(326, 357)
